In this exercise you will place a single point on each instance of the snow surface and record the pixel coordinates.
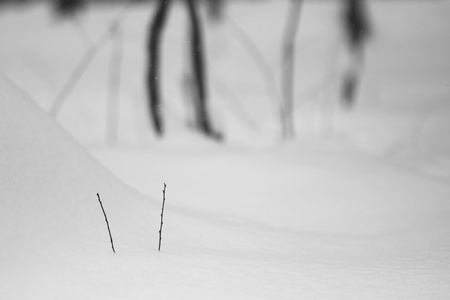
(356, 207)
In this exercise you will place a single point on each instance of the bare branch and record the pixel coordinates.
(162, 214)
(107, 224)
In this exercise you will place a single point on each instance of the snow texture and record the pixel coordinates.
(357, 207)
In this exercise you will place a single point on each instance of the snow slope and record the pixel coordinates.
(52, 227)
(362, 213)
(345, 242)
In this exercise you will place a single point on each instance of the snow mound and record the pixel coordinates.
(48, 204)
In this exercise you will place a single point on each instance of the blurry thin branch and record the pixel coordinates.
(236, 104)
(313, 92)
(115, 67)
(77, 73)
(285, 101)
(288, 63)
(257, 57)
(82, 32)
(86, 60)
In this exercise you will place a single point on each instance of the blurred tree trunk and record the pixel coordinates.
(69, 9)
(288, 63)
(66, 8)
(198, 68)
(357, 30)
(199, 72)
(154, 65)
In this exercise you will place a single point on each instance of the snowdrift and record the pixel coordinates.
(55, 243)
(49, 212)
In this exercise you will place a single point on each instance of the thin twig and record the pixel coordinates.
(162, 213)
(107, 224)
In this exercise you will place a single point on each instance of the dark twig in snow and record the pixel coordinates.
(162, 213)
(107, 224)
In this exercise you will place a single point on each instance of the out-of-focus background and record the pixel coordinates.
(96, 77)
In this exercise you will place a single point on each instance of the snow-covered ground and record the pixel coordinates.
(356, 207)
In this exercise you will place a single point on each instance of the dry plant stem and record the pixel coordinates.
(162, 214)
(107, 224)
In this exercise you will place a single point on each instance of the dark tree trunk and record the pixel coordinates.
(67, 8)
(153, 76)
(357, 30)
(198, 66)
(356, 22)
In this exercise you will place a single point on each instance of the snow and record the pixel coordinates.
(356, 207)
